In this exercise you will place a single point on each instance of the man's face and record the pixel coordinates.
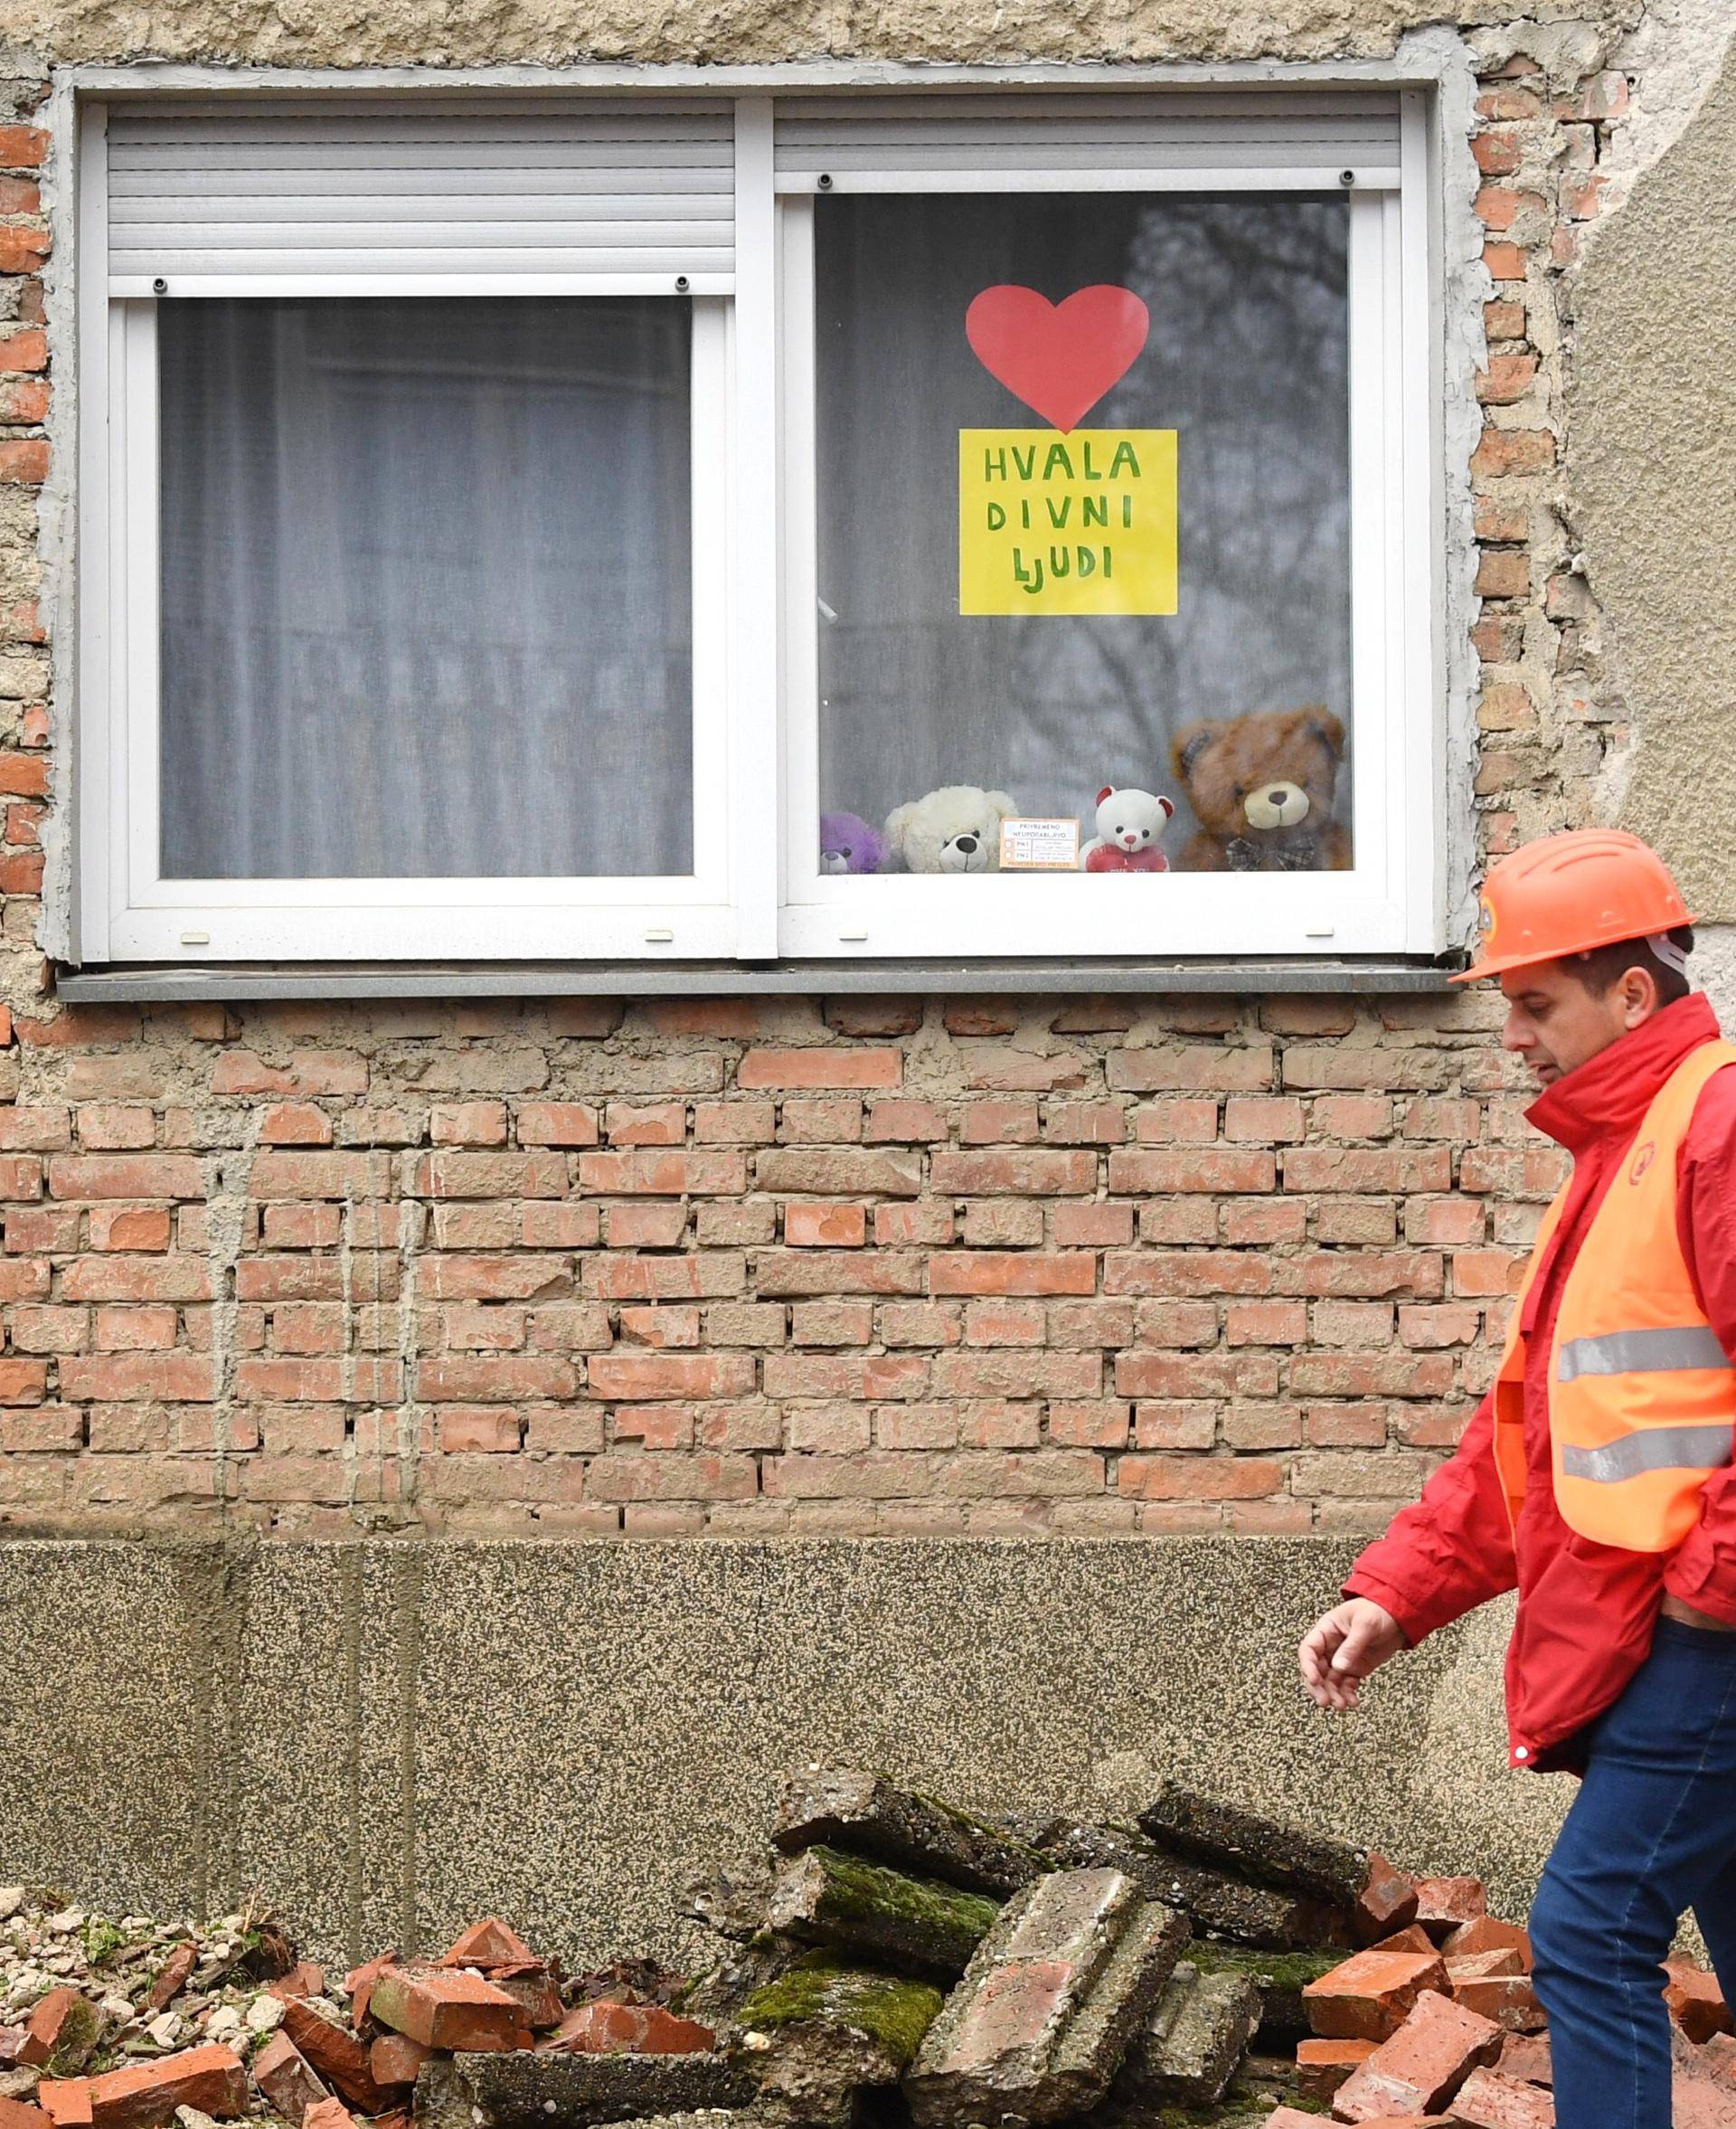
(1556, 1023)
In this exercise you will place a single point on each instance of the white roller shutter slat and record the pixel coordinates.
(371, 188)
(951, 142)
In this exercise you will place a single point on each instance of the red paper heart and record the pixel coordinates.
(1058, 358)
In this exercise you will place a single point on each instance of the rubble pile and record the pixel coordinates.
(889, 1962)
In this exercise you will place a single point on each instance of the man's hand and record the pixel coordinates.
(1341, 1649)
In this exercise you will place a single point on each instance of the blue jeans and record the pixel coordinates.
(1651, 1833)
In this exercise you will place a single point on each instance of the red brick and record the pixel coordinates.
(907, 1122)
(314, 1073)
(469, 1123)
(448, 2010)
(991, 1271)
(24, 350)
(284, 2074)
(654, 1124)
(643, 1376)
(1197, 1478)
(1322, 2066)
(604, 2027)
(1695, 2001)
(1444, 1903)
(1526, 2056)
(1368, 1996)
(1092, 1227)
(664, 1175)
(1487, 1933)
(820, 1068)
(1488, 2100)
(1212, 1169)
(826, 1227)
(337, 2057)
(140, 1175)
(295, 1123)
(1420, 2068)
(22, 147)
(1387, 1904)
(556, 1123)
(1044, 1174)
(210, 2078)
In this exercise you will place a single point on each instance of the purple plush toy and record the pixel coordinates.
(848, 844)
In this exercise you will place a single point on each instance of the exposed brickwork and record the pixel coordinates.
(312, 1267)
(711, 1265)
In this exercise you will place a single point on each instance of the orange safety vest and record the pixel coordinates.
(1642, 1397)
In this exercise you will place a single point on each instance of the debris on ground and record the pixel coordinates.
(888, 1962)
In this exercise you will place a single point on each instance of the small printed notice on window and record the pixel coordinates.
(1029, 844)
(1082, 523)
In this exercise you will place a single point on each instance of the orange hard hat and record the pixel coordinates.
(1568, 893)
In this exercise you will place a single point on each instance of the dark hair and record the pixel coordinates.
(1607, 965)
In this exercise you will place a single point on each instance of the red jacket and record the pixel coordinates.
(1586, 1611)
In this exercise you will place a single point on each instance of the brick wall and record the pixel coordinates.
(853, 1266)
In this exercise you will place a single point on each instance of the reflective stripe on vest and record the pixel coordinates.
(1641, 1396)
(1642, 1352)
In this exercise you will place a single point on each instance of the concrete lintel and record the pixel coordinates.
(1417, 64)
(155, 985)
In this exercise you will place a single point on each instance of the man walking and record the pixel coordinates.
(1597, 1476)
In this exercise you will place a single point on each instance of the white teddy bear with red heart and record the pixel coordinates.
(1129, 826)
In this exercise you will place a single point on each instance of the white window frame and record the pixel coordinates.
(756, 892)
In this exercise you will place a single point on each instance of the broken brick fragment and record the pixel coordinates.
(1490, 2100)
(536, 1989)
(1423, 2065)
(1414, 1938)
(1368, 1996)
(1258, 1915)
(307, 1977)
(1526, 2056)
(455, 2010)
(1322, 2065)
(173, 1975)
(1443, 1904)
(287, 2079)
(630, 2029)
(209, 2079)
(18, 2114)
(62, 2029)
(1481, 1966)
(395, 2060)
(328, 2114)
(1386, 1903)
(1696, 2000)
(1487, 1933)
(358, 1984)
(337, 2056)
(490, 1942)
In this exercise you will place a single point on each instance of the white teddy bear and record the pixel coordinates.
(1129, 827)
(957, 828)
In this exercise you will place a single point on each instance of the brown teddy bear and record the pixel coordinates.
(1262, 786)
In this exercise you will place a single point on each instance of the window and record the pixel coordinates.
(878, 527)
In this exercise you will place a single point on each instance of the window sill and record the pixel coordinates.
(157, 982)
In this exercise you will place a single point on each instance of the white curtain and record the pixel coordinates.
(426, 588)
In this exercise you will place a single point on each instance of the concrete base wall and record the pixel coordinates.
(389, 1740)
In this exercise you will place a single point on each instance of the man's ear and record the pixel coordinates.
(1637, 996)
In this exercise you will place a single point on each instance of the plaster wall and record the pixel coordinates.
(392, 1739)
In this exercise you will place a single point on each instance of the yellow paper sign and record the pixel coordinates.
(1081, 523)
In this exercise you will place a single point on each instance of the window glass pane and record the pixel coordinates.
(426, 583)
(1086, 655)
